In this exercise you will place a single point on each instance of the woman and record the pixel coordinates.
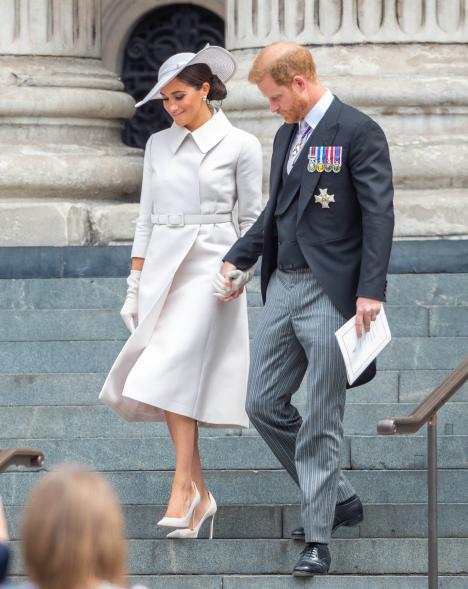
(186, 361)
(72, 532)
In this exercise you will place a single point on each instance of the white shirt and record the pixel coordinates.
(312, 118)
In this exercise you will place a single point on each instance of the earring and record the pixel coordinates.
(204, 98)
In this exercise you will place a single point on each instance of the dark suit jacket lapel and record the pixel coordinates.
(299, 177)
(324, 134)
(280, 152)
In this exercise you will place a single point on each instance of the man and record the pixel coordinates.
(325, 237)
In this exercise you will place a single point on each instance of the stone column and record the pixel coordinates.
(61, 115)
(404, 62)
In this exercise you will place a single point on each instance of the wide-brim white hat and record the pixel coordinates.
(219, 60)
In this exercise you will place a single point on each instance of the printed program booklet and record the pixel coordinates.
(358, 352)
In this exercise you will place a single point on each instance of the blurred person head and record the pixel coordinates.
(286, 75)
(72, 531)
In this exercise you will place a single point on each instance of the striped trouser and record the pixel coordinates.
(296, 332)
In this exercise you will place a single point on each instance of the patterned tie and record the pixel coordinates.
(305, 132)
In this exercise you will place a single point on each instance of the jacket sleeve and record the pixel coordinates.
(143, 225)
(4, 558)
(249, 174)
(248, 248)
(371, 174)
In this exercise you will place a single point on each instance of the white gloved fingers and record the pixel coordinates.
(219, 282)
(236, 277)
(129, 311)
(219, 285)
(133, 281)
(129, 321)
(240, 277)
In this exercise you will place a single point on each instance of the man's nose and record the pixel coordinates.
(273, 107)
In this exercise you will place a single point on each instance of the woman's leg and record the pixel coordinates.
(183, 433)
(197, 475)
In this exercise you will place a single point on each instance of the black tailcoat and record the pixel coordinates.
(347, 246)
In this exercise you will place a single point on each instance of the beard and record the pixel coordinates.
(297, 111)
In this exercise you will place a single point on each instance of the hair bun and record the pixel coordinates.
(217, 89)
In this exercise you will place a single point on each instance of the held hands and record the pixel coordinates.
(129, 311)
(230, 282)
(366, 311)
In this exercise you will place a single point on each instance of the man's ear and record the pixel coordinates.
(298, 83)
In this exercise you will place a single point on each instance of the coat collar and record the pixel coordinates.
(205, 137)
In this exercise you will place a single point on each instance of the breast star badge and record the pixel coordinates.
(324, 198)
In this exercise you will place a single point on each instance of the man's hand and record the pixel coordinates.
(224, 275)
(366, 311)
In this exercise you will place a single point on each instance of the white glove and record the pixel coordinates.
(129, 311)
(239, 279)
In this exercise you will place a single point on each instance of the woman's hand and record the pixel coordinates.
(229, 283)
(129, 311)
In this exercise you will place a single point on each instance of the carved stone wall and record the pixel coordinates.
(51, 27)
(256, 23)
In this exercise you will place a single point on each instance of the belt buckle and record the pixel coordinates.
(175, 220)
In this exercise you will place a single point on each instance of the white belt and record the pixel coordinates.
(179, 219)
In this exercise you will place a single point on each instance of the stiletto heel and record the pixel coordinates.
(182, 522)
(210, 537)
(193, 533)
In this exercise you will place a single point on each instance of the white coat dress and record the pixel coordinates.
(190, 352)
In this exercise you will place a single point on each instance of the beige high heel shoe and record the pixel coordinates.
(182, 522)
(193, 533)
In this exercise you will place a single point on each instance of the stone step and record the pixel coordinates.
(243, 452)
(332, 581)
(277, 521)
(389, 386)
(290, 582)
(418, 353)
(106, 324)
(108, 454)
(108, 293)
(89, 421)
(261, 487)
(257, 557)
(406, 452)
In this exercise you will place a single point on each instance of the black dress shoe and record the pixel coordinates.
(315, 560)
(349, 513)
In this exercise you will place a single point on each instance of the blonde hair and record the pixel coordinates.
(283, 61)
(72, 531)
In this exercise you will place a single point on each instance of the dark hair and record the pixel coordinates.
(199, 73)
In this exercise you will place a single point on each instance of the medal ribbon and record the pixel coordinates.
(321, 154)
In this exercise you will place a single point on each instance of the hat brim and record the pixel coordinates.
(219, 60)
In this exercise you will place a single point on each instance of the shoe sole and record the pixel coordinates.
(304, 574)
(347, 524)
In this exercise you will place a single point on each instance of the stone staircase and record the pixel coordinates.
(58, 337)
